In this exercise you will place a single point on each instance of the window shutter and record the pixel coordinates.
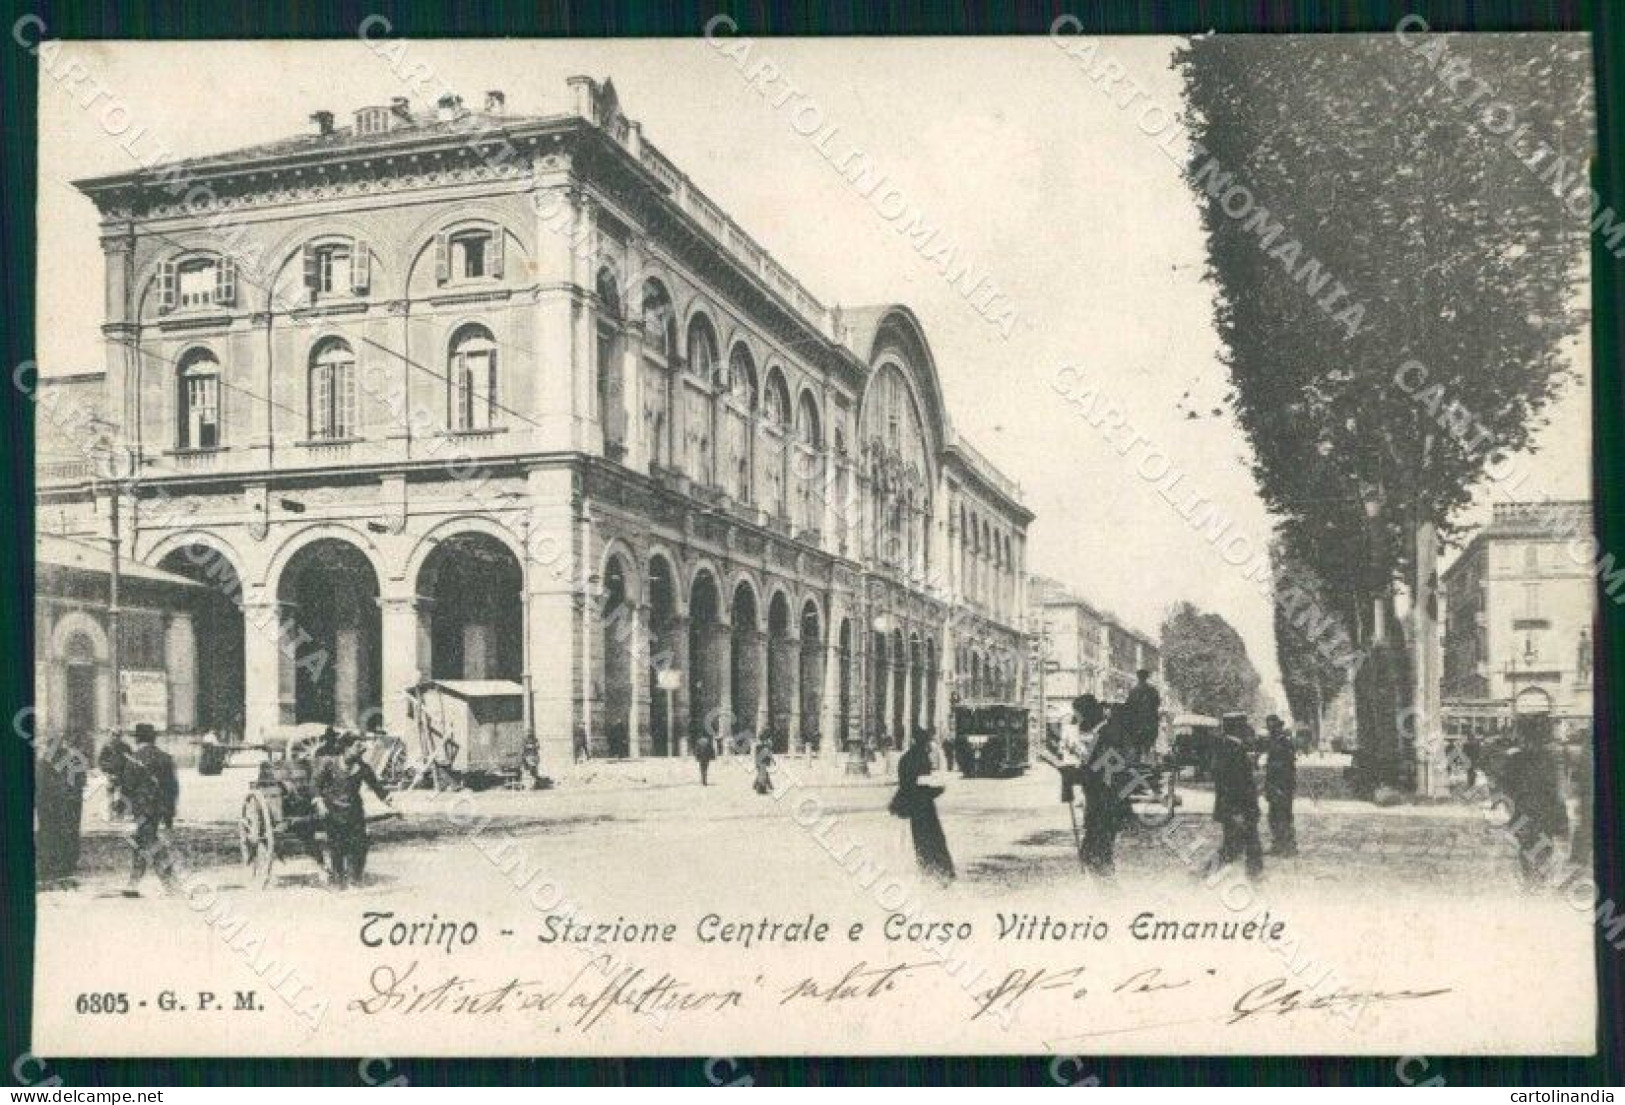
(497, 237)
(360, 267)
(225, 282)
(166, 286)
(312, 268)
(442, 258)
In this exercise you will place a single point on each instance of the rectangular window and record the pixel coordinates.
(474, 396)
(333, 271)
(197, 284)
(468, 256)
(203, 412)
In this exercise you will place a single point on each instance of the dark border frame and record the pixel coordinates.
(629, 18)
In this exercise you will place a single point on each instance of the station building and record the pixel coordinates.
(457, 393)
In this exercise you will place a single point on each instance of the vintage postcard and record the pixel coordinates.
(754, 546)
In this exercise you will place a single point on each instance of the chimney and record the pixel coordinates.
(495, 102)
(402, 107)
(448, 107)
(323, 121)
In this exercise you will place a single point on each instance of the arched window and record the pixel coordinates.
(699, 458)
(472, 379)
(702, 349)
(611, 405)
(773, 454)
(659, 346)
(197, 415)
(743, 397)
(332, 391)
(809, 464)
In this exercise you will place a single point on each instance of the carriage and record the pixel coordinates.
(1147, 785)
(991, 739)
(278, 819)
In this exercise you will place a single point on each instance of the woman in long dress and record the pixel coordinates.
(918, 802)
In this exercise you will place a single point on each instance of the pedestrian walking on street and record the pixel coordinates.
(112, 761)
(60, 765)
(1532, 783)
(916, 799)
(1104, 750)
(1280, 787)
(705, 750)
(764, 763)
(1235, 797)
(339, 775)
(153, 792)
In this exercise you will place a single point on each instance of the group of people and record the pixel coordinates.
(142, 784)
(1115, 750)
(705, 752)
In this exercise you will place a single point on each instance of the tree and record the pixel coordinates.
(1313, 646)
(1205, 662)
(1396, 275)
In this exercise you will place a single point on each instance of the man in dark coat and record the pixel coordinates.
(1142, 711)
(60, 765)
(1105, 752)
(111, 762)
(918, 802)
(705, 750)
(153, 790)
(337, 780)
(1280, 786)
(1532, 782)
(1235, 797)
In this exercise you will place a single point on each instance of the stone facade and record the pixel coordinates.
(1519, 607)
(470, 395)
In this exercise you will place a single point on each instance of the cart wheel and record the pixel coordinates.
(256, 835)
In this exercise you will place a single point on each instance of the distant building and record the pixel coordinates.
(1084, 649)
(1519, 608)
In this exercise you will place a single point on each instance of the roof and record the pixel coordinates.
(82, 555)
(414, 128)
(478, 688)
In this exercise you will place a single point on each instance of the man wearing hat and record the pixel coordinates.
(1532, 783)
(1280, 786)
(1103, 750)
(1235, 796)
(1142, 711)
(339, 775)
(152, 790)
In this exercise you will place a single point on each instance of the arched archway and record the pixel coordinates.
(472, 608)
(209, 694)
(899, 704)
(78, 699)
(327, 594)
(781, 673)
(617, 639)
(879, 686)
(811, 676)
(708, 659)
(843, 721)
(931, 680)
(663, 631)
(916, 684)
(746, 660)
